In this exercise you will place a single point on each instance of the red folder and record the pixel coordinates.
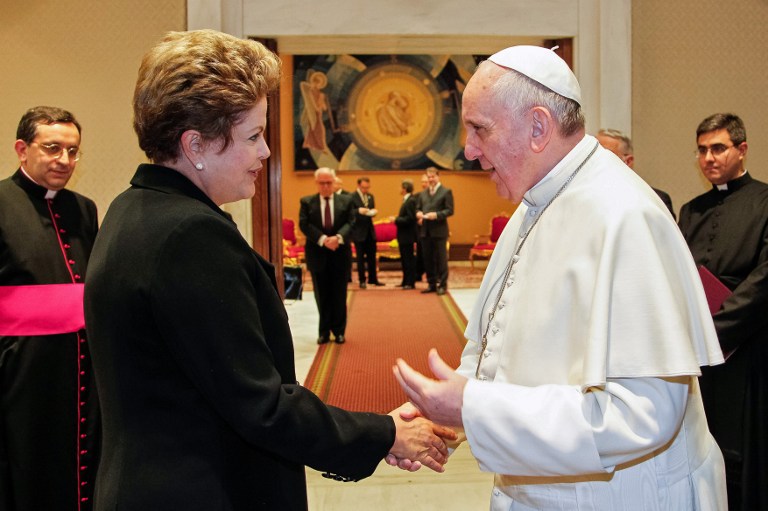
(715, 290)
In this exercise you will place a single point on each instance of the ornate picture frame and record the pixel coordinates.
(380, 112)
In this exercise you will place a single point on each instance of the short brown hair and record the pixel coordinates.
(203, 80)
(35, 116)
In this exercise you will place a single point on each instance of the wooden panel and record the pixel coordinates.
(266, 207)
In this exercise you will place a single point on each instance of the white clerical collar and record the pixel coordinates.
(49, 194)
(542, 192)
(724, 187)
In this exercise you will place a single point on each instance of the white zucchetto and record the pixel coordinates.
(541, 65)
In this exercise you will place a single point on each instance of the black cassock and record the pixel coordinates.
(49, 424)
(727, 232)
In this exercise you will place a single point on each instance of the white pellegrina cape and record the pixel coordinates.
(586, 396)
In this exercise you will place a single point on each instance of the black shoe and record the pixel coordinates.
(377, 283)
(362, 285)
(340, 339)
(322, 339)
(428, 290)
(441, 291)
(407, 286)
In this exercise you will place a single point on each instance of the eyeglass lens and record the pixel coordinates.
(716, 149)
(55, 151)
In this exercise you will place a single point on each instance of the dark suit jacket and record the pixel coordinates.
(667, 200)
(311, 224)
(440, 203)
(194, 361)
(363, 228)
(406, 222)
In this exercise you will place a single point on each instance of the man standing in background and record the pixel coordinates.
(407, 234)
(433, 208)
(49, 416)
(621, 145)
(727, 231)
(363, 233)
(419, 249)
(326, 219)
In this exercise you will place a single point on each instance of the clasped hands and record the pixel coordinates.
(422, 424)
(331, 242)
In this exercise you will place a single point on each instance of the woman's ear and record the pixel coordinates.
(192, 146)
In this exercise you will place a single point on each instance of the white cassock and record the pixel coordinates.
(586, 396)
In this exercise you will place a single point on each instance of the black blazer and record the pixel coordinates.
(311, 224)
(363, 227)
(440, 203)
(194, 362)
(406, 222)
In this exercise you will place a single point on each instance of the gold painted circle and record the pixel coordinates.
(394, 111)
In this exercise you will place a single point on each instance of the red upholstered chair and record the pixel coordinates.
(293, 244)
(386, 239)
(484, 244)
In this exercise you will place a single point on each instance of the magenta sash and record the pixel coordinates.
(44, 309)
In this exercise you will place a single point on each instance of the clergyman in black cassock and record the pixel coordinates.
(727, 231)
(49, 416)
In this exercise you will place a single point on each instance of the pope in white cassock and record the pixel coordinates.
(578, 385)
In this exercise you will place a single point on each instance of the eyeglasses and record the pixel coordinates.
(55, 151)
(716, 149)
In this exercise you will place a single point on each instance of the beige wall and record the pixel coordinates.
(81, 55)
(690, 59)
(693, 58)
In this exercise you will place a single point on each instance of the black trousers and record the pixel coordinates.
(330, 289)
(408, 262)
(435, 260)
(366, 259)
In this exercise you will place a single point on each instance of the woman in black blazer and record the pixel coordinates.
(190, 341)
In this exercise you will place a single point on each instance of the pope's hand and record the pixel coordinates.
(439, 400)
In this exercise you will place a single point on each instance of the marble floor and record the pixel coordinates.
(461, 487)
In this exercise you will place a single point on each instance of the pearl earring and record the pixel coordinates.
(199, 166)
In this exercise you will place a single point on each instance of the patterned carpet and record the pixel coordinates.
(358, 375)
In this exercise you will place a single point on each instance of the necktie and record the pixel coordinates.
(327, 222)
(431, 191)
(365, 200)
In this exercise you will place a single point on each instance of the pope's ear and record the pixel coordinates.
(542, 127)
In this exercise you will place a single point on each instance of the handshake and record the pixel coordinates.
(422, 424)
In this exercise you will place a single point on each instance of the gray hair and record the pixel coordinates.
(520, 94)
(325, 170)
(618, 135)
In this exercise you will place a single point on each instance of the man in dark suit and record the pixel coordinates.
(407, 233)
(363, 233)
(49, 416)
(621, 145)
(326, 219)
(434, 207)
(419, 249)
